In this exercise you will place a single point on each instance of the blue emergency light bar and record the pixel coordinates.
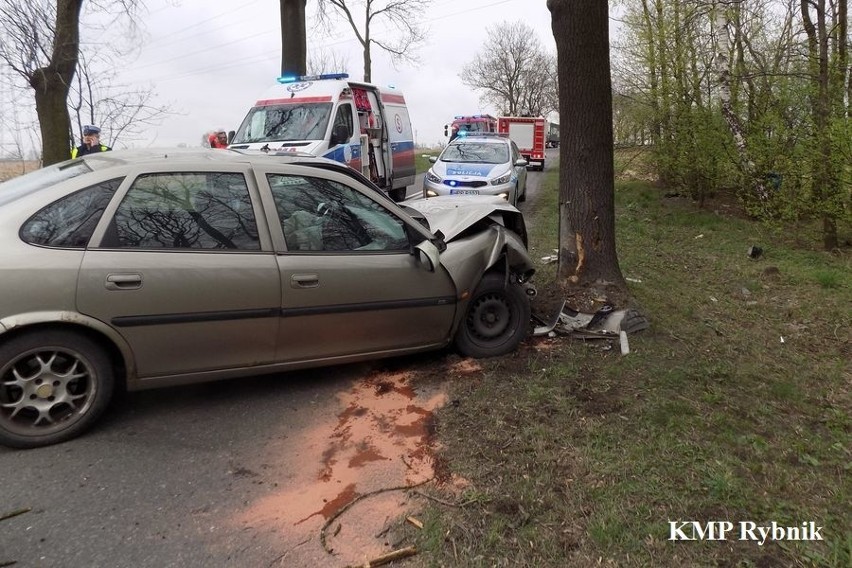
(298, 79)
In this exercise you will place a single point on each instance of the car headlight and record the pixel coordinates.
(502, 179)
(431, 177)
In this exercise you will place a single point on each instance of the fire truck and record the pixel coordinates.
(528, 133)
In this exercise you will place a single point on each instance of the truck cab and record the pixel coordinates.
(469, 125)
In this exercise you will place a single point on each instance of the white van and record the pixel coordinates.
(363, 125)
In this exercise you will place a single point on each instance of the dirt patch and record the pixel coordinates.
(350, 473)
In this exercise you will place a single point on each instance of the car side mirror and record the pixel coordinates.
(446, 132)
(433, 159)
(521, 163)
(339, 135)
(427, 255)
(231, 135)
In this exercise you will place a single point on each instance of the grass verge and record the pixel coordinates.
(734, 406)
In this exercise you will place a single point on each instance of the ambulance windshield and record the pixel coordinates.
(282, 123)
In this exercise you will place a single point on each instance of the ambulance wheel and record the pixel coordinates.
(398, 194)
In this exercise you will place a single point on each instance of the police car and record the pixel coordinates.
(482, 164)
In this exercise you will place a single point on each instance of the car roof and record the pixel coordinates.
(137, 156)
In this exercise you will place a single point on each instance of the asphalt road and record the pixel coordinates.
(164, 478)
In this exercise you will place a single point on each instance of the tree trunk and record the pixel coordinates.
(588, 263)
(368, 57)
(723, 67)
(53, 82)
(294, 52)
(825, 183)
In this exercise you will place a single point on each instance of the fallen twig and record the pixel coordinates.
(5, 516)
(345, 508)
(386, 558)
(415, 521)
(280, 558)
(8, 563)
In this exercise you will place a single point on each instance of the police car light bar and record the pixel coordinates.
(298, 79)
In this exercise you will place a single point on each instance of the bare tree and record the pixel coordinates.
(326, 62)
(513, 71)
(588, 263)
(365, 16)
(123, 111)
(294, 51)
(42, 45)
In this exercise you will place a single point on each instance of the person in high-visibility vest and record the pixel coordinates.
(91, 142)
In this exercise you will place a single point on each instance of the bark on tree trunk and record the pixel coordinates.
(588, 263)
(53, 82)
(294, 52)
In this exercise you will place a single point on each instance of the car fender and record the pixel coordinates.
(467, 259)
(69, 318)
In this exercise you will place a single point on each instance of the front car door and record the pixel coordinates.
(183, 269)
(350, 285)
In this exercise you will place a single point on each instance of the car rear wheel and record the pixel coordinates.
(53, 386)
(497, 318)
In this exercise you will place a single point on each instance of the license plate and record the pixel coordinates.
(464, 192)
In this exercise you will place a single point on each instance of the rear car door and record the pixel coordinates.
(350, 284)
(182, 268)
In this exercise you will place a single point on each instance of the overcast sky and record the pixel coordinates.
(210, 61)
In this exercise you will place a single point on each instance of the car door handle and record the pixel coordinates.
(128, 281)
(304, 281)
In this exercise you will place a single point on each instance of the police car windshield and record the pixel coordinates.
(476, 152)
(280, 123)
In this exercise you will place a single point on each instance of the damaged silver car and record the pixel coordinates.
(153, 268)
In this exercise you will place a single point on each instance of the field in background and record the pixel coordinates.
(14, 168)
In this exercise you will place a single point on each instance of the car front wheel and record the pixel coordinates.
(497, 318)
(53, 385)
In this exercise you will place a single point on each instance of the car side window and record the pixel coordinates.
(69, 222)
(204, 210)
(344, 117)
(322, 215)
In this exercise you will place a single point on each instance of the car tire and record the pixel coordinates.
(398, 194)
(54, 385)
(497, 318)
(523, 196)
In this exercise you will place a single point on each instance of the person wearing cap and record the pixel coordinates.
(91, 142)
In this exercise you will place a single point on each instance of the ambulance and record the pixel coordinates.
(360, 124)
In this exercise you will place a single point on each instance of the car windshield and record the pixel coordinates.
(473, 127)
(281, 123)
(476, 152)
(39, 179)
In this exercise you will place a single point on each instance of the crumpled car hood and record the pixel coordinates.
(452, 214)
